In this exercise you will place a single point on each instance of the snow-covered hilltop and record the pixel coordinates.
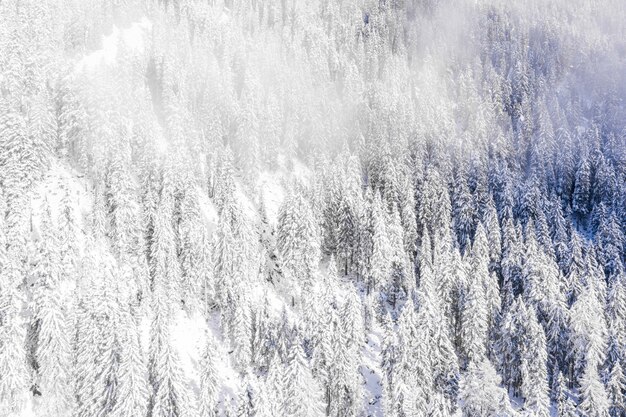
(336, 208)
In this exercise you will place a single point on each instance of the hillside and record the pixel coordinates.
(344, 208)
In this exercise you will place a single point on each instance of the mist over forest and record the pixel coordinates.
(290, 208)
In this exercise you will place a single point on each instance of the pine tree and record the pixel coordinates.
(388, 362)
(479, 263)
(481, 394)
(411, 365)
(492, 229)
(541, 276)
(582, 189)
(164, 265)
(169, 394)
(247, 400)
(302, 397)
(402, 280)
(241, 332)
(122, 209)
(97, 341)
(434, 205)
(610, 245)
(346, 342)
(560, 237)
(436, 356)
(588, 333)
(297, 241)
(511, 263)
(224, 184)
(224, 263)
(408, 217)
(575, 269)
(616, 311)
(380, 262)
(265, 406)
(347, 232)
(54, 340)
(474, 322)
(24, 151)
(617, 391)
(208, 381)
(365, 244)
(533, 369)
(564, 405)
(194, 260)
(13, 370)
(322, 358)
(330, 211)
(462, 212)
(275, 386)
(132, 397)
(595, 401)
(261, 336)
(12, 341)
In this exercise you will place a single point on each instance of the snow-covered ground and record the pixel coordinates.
(372, 373)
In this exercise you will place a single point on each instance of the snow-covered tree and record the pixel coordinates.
(616, 390)
(133, 394)
(481, 392)
(302, 395)
(297, 241)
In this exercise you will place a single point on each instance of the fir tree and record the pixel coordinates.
(474, 322)
(301, 393)
(208, 381)
(54, 340)
(582, 189)
(616, 388)
(380, 261)
(241, 332)
(594, 398)
(297, 241)
(481, 393)
(133, 394)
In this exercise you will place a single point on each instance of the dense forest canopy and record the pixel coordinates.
(305, 208)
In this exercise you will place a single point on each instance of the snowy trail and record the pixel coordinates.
(372, 374)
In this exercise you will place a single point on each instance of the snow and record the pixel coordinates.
(273, 186)
(133, 39)
(189, 332)
(228, 377)
(189, 337)
(264, 292)
(50, 192)
(372, 373)
(233, 69)
(208, 211)
(273, 194)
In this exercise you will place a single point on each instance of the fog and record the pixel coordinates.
(338, 208)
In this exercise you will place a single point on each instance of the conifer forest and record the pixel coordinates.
(312, 208)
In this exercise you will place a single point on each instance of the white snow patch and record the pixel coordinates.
(273, 186)
(188, 339)
(208, 211)
(133, 38)
(273, 195)
(227, 375)
(372, 373)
